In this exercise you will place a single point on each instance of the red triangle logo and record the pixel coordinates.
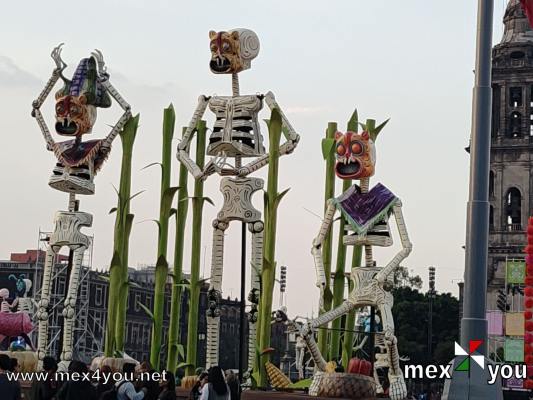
(474, 345)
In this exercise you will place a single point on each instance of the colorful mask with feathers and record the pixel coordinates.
(77, 101)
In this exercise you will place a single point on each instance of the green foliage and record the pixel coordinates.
(118, 274)
(410, 314)
(196, 246)
(303, 384)
(268, 274)
(161, 269)
(329, 192)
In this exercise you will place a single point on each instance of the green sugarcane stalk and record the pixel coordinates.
(328, 146)
(118, 275)
(338, 280)
(182, 206)
(195, 284)
(338, 285)
(347, 344)
(161, 268)
(268, 274)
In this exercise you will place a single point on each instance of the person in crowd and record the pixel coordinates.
(125, 388)
(168, 386)
(216, 388)
(151, 385)
(180, 373)
(9, 388)
(196, 390)
(79, 388)
(105, 375)
(46, 389)
(15, 366)
(233, 383)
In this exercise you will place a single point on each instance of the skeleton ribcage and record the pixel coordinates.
(236, 130)
(77, 180)
(378, 235)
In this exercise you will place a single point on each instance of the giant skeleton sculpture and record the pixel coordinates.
(367, 214)
(236, 135)
(77, 163)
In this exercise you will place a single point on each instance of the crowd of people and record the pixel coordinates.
(210, 385)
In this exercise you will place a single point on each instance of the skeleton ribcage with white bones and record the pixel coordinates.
(236, 130)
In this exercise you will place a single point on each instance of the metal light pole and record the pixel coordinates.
(431, 296)
(473, 385)
(474, 323)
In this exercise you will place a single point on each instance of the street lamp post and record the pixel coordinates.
(474, 385)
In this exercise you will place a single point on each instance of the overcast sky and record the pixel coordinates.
(408, 60)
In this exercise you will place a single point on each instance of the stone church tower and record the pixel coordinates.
(511, 155)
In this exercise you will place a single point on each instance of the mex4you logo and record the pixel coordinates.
(467, 359)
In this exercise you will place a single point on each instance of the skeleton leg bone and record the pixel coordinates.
(324, 319)
(44, 302)
(213, 313)
(69, 310)
(398, 389)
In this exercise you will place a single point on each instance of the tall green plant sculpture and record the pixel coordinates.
(118, 273)
(268, 274)
(161, 267)
(175, 349)
(340, 274)
(195, 283)
(328, 152)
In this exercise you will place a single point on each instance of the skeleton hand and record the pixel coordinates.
(100, 63)
(56, 56)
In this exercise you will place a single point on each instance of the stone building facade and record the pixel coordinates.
(511, 161)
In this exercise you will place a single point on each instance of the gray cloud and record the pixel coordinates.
(12, 76)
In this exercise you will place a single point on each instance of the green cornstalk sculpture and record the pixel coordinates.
(339, 277)
(328, 146)
(118, 274)
(268, 274)
(161, 268)
(182, 206)
(195, 283)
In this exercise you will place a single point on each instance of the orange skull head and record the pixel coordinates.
(232, 51)
(74, 117)
(355, 154)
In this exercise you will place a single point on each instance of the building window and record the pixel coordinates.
(515, 125)
(515, 97)
(491, 217)
(513, 209)
(98, 295)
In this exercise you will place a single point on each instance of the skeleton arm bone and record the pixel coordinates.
(406, 245)
(124, 117)
(183, 147)
(286, 148)
(317, 245)
(37, 103)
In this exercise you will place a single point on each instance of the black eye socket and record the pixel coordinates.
(60, 109)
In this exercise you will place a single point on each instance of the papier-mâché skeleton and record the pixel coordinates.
(367, 214)
(77, 163)
(236, 135)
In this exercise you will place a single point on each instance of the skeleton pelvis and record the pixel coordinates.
(77, 180)
(366, 289)
(231, 148)
(67, 225)
(238, 199)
